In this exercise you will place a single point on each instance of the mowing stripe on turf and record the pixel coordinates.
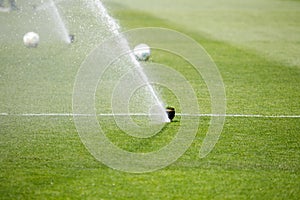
(144, 114)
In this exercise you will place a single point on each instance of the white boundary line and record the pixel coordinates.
(143, 114)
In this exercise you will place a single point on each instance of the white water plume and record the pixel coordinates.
(61, 27)
(113, 27)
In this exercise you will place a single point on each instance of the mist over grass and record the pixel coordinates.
(42, 157)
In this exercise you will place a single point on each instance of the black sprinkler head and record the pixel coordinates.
(72, 38)
(171, 112)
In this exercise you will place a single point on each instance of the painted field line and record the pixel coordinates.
(241, 115)
(144, 114)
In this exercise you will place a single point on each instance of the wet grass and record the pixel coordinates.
(42, 157)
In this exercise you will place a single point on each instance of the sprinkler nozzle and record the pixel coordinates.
(170, 112)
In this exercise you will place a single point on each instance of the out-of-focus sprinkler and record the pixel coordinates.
(72, 38)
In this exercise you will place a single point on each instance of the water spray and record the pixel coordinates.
(51, 6)
(101, 13)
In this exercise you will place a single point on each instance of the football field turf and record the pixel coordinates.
(257, 156)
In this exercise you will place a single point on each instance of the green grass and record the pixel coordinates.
(270, 27)
(42, 157)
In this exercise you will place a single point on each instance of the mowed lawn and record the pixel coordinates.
(42, 157)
